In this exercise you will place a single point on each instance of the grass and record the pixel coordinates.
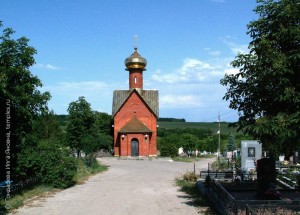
(188, 185)
(84, 172)
(18, 199)
(39, 191)
(191, 159)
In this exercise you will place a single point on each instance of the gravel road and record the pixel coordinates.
(129, 187)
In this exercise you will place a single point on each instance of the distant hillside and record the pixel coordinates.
(171, 120)
(213, 126)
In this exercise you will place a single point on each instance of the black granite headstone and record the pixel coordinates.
(266, 179)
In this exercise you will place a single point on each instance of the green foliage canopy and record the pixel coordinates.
(168, 145)
(20, 100)
(81, 120)
(88, 130)
(231, 145)
(18, 85)
(266, 90)
(190, 139)
(50, 162)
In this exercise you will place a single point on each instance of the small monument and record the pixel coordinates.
(251, 151)
(295, 157)
(266, 179)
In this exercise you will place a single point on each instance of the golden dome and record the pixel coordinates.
(135, 61)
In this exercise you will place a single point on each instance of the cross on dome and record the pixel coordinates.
(135, 39)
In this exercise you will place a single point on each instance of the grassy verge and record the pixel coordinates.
(187, 184)
(39, 191)
(191, 159)
(18, 199)
(84, 171)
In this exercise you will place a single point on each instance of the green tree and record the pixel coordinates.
(169, 145)
(231, 145)
(20, 100)
(103, 123)
(81, 122)
(266, 90)
(210, 144)
(47, 126)
(189, 142)
(95, 141)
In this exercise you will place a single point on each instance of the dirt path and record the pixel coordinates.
(129, 187)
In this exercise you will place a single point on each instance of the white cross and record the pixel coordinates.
(135, 38)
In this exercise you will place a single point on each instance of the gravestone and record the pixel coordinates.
(291, 160)
(296, 157)
(251, 151)
(281, 158)
(266, 179)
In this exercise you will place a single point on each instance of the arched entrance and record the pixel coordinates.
(134, 147)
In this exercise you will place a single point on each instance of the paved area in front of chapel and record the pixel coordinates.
(129, 187)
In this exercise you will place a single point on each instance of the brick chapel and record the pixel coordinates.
(135, 113)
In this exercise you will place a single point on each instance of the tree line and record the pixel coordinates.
(163, 119)
(192, 139)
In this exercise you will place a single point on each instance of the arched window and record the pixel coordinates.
(135, 79)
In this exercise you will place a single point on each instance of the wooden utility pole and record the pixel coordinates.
(219, 132)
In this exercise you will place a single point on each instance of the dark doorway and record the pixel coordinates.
(134, 147)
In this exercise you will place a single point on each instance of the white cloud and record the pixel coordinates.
(217, 73)
(193, 89)
(179, 101)
(234, 47)
(231, 71)
(213, 53)
(47, 66)
(191, 71)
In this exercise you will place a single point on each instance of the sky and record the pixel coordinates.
(82, 44)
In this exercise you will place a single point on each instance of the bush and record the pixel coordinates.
(87, 168)
(168, 150)
(58, 167)
(50, 162)
(168, 145)
(190, 177)
(220, 165)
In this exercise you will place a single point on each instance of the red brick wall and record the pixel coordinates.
(135, 107)
(136, 78)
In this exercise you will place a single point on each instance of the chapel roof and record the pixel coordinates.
(135, 126)
(150, 97)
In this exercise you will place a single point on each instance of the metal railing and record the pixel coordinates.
(226, 200)
(217, 175)
(232, 206)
